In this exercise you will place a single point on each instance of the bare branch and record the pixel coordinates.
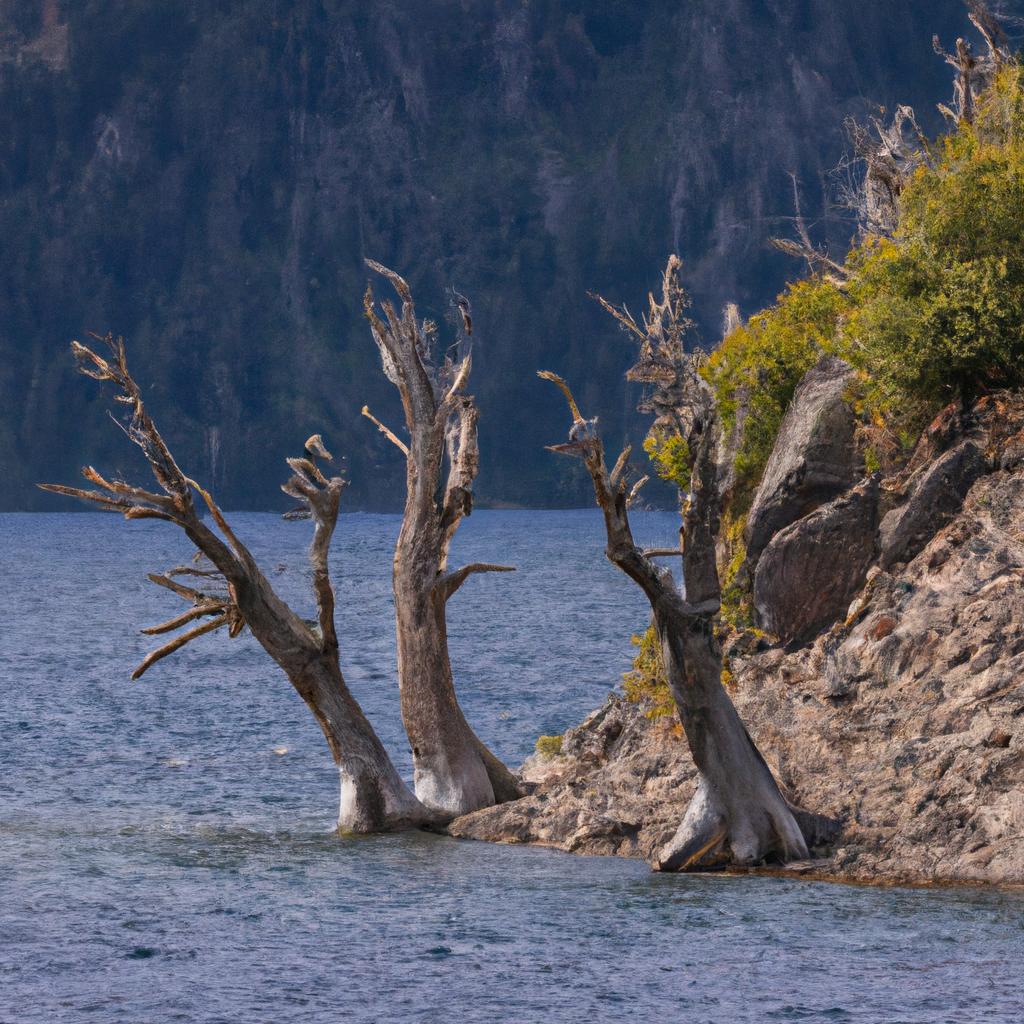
(816, 258)
(988, 25)
(397, 281)
(461, 376)
(635, 490)
(451, 581)
(315, 446)
(180, 620)
(321, 497)
(620, 466)
(389, 434)
(560, 383)
(622, 549)
(974, 74)
(109, 504)
(623, 315)
(177, 643)
(188, 593)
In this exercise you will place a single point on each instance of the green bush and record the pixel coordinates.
(549, 746)
(933, 314)
(938, 310)
(646, 681)
(760, 364)
(670, 456)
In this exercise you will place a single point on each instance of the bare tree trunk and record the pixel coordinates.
(236, 594)
(374, 797)
(455, 773)
(737, 815)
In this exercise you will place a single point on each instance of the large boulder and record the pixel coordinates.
(814, 459)
(810, 571)
(936, 496)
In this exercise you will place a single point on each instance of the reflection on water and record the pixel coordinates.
(160, 862)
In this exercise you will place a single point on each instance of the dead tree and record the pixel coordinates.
(373, 795)
(888, 153)
(737, 815)
(974, 74)
(455, 773)
(801, 247)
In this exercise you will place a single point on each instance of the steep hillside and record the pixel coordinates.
(206, 178)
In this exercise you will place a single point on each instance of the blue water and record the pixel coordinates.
(159, 862)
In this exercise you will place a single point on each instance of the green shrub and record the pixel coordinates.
(938, 310)
(670, 456)
(549, 746)
(762, 362)
(646, 681)
(933, 314)
(737, 610)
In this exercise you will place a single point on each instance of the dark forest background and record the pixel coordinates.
(205, 177)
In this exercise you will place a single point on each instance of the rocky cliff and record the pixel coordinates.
(904, 718)
(206, 177)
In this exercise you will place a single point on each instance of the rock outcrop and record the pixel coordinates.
(934, 499)
(905, 720)
(814, 459)
(811, 571)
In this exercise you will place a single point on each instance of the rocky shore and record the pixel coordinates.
(903, 718)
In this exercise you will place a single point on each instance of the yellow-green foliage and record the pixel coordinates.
(939, 308)
(549, 746)
(761, 363)
(670, 456)
(934, 313)
(646, 680)
(736, 608)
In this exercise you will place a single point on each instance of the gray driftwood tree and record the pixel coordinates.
(455, 773)
(738, 814)
(233, 593)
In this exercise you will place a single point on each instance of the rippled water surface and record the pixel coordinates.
(159, 862)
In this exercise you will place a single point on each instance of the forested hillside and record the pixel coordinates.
(206, 178)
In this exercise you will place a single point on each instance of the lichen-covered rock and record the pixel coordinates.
(814, 459)
(620, 786)
(811, 570)
(934, 499)
(905, 721)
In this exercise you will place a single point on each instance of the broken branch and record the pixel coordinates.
(389, 434)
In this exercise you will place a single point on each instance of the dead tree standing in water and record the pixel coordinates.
(454, 772)
(373, 795)
(737, 815)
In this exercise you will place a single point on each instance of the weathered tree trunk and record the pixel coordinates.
(373, 796)
(455, 773)
(737, 815)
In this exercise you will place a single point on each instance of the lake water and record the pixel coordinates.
(159, 862)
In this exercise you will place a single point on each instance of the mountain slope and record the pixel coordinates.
(205, 178)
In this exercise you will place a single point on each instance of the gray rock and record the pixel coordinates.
(814, 459)
(905, 722)
(934, 500)
(920, 755)
(811, 570)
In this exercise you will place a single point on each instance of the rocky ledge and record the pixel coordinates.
(905, 720)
